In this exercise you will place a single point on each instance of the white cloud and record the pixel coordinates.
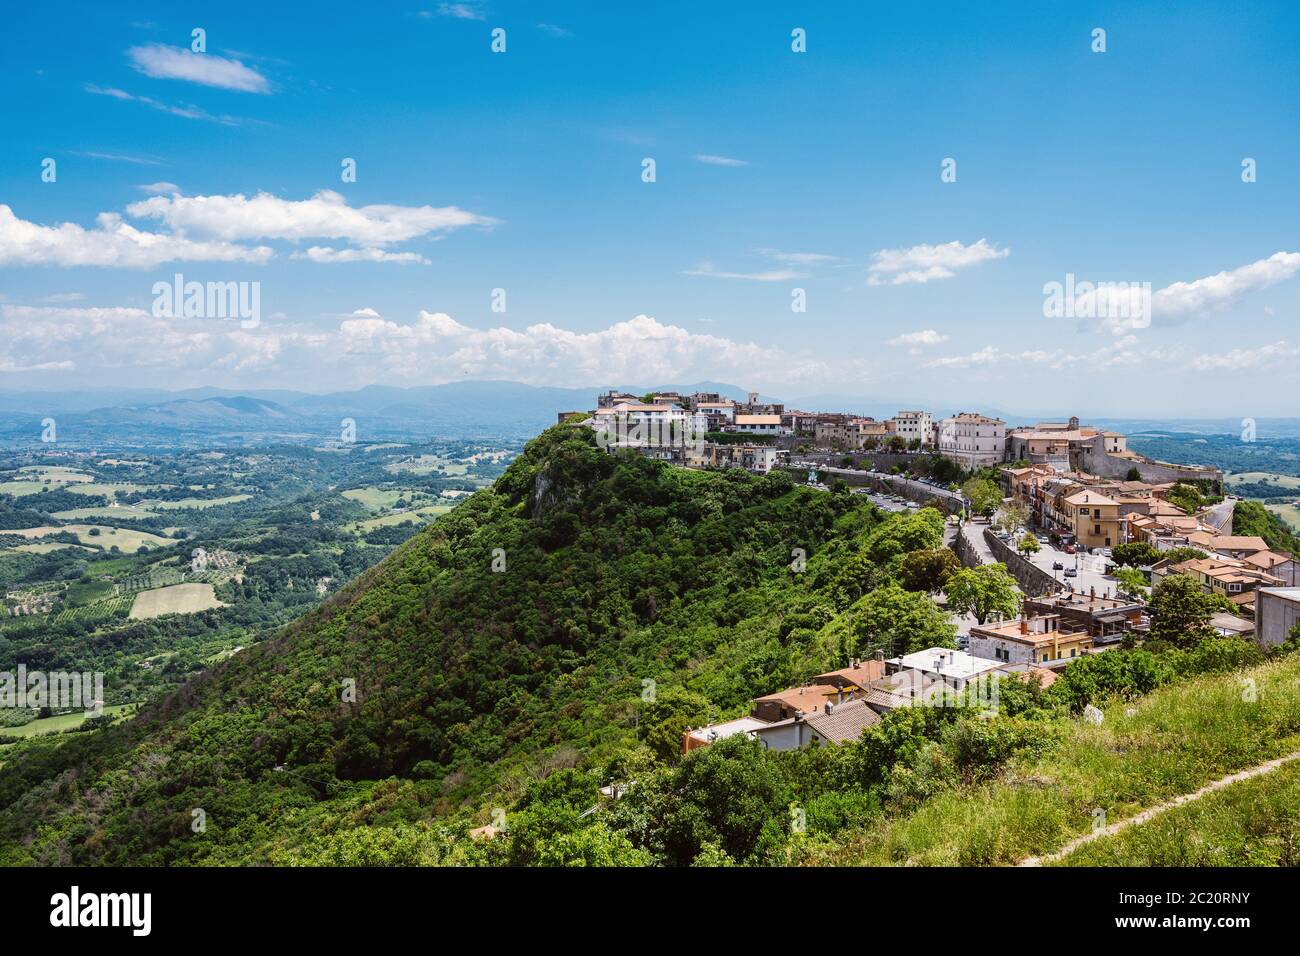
(1243, 359)
(326, 215)
(112, 243)
(551, 29)
(122, 158)
(461, 11)
(925, 263)
(710, 159)
(157, 189)
(187, 112)
(708, 270)
(329, 254)
(176, 63)
(364, 347)
(1122, 307)
(1224, 288)
(916, 341)
(798, 258)
(1121, 352)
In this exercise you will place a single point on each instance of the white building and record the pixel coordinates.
(759, 425)
(636, 425)
(953, 668)
(973, 440)
(910, 426)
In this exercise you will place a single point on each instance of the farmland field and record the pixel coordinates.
(115, 511)
(43, 547)
(1288, 513)
(380, 499)
(58, 723)
(1283, 482)
(128, 541)
(177, 599)
(193, 502)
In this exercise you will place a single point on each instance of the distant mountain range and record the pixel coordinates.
(498, 408)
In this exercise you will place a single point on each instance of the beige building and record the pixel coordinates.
(1034, 640)
(1095, 519)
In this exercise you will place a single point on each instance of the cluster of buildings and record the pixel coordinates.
(837, 706)
(657, 423)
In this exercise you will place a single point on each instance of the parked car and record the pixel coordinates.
(1057, 566)
(1104, 552)
(1071, 573)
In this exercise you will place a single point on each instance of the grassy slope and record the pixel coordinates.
(1252, 823)
(1177, 739)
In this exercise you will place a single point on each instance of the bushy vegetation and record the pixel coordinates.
(1252, 518)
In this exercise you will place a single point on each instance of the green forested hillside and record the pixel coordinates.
(620, 575)
(1252, 518)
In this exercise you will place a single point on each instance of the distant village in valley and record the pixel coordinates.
(1086, 526)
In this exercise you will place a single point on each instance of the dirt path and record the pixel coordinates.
(1148, 814)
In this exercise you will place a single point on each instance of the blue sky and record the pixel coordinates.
(775, 171)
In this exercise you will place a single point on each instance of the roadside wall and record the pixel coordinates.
(1032, 579)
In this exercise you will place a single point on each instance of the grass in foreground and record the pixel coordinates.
(1147, 751)
(1252, 823)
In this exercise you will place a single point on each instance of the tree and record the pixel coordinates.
(983, 494)
(1012, 516)
(1179, 555)
(1180, 611)
(1028, 545)
(1136, 554)
(1133, 474)
(1133, 582)
(893, 620)
(928, 569)
(982, 591)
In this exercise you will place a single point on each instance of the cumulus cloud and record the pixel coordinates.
(214, 229)
(1121, 307)
(1224, 288)
(365, 347)
(112, 243)
(157, 189)
(207, 69)
(326, 215)
(915, 341)
(1243, 359)
(925, 263)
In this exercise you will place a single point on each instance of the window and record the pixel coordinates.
(1044, 658)
(1074, 652)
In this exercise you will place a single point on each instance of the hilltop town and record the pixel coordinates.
(1085, 527)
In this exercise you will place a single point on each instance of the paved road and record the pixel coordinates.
(1220, 515)
(1091, 568)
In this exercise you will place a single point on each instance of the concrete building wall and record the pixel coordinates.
(1274, 617)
